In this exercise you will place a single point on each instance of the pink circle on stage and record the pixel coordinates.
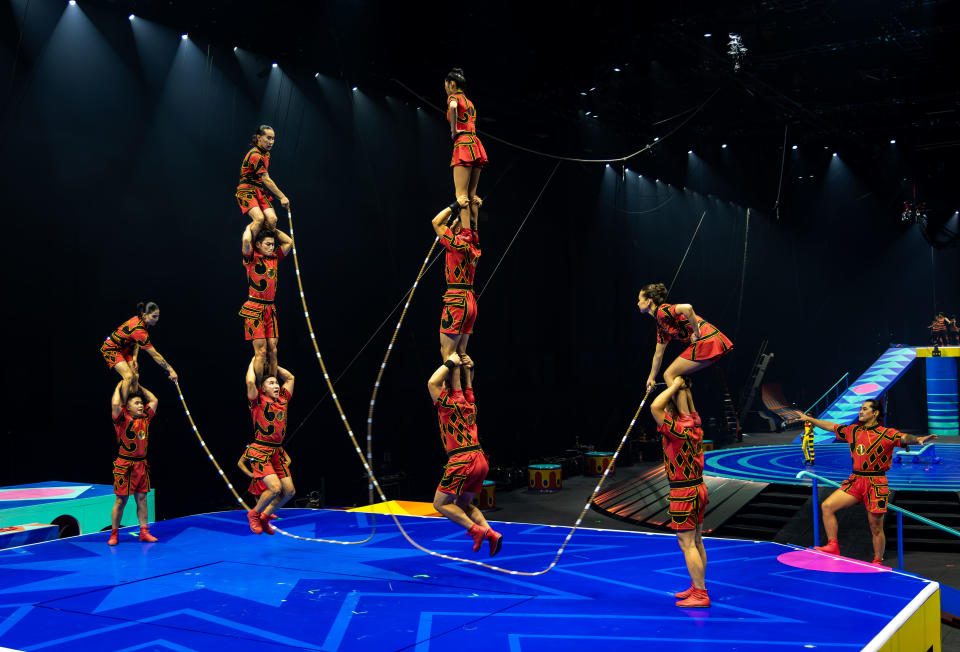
(818, 561)
(34, 494)
(865, 388)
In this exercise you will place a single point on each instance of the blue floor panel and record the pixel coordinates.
(210, 583)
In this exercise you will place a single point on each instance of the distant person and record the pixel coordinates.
(682, 443)
(953, 330)
(871, 447)
(679, 322)
(121, 347)
(467, 466)
(131, 474)
(938, 330)
(272, 480)
(255, 182)
(261, 256)
(807, 445)
(469, 157)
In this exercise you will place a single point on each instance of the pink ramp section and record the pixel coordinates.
(865, 388)
(38, 493)
(820, 561)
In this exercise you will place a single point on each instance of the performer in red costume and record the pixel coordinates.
(469, 157)
(467, 465)
(255, 182)
(121, 347)
(871, 447)
(261, 255)
(131, 473)
(674, 413)
(270, 463)
(679, 322)
(459, 310)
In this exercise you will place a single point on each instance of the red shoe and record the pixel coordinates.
(114, 537)
(698, 598)
(477, 533)
(495, 539)
(833, 547)
(878, 562)
(683, 595)
(265, 523)
(146, 536)
(254, 519)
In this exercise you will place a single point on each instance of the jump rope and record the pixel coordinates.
(366, 460)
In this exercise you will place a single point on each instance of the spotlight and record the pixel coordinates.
(724, 146)
(583, 93)
(587, 113)
(235, 48)
(593, 88)
(184, 37)
(273, 65)
(707, 35)
(354, 88)
(608, 165)
(316, 75)
(73, 3)
(131, 17)
(656, 138)
(689, 151)
(794, 148)
(834, 154)
(616, 70)
(893, 141)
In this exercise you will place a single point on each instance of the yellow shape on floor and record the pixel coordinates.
(400, 507)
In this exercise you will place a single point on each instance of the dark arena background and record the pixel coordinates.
(790, 167)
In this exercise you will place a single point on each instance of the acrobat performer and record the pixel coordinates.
(131, 474)
(871, 447)
(469, 157)
(255, 182)
(459, 311)
(261, 255)
(272, 480)
(467, 465)
(683, 457)
(121, 347)
(680, 322)
(808, 455)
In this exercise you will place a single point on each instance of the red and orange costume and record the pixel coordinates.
(467, 466)
(258, 312)
(683, 457)
(120, 344)
(460, 266)
(467, 149)
(872, 453)
(251, 191)
(673, 325)
(131, 473)
(266, 454)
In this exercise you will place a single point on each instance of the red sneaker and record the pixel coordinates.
(683, 595)
(114, 537)
(833, 547)
(254, 519)
(495, 539)
(878, 562)
(698, 598)
(146, 536)
(477, 533)
(265, 523)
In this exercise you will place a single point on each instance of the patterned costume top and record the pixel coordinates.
(939, 325)
(463, 250)
(673, 325)
(253, 169)
(128, 334)
(466, 113)
(269, 417)
(262, 274)
(458, 421)
(682, 452)
(132, 433)
(870, 448)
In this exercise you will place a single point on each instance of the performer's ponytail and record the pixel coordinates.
(146, 307)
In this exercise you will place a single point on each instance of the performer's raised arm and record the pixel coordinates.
(252, 381)
(442, 374)
(285, 378)
(659, 406)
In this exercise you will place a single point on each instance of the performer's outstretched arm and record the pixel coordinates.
(823, 425)
(655, 365)
(275, 191)
(163, 363)
(908, 440)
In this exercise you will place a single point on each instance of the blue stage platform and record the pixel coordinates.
(780, 464)
(212, 584)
